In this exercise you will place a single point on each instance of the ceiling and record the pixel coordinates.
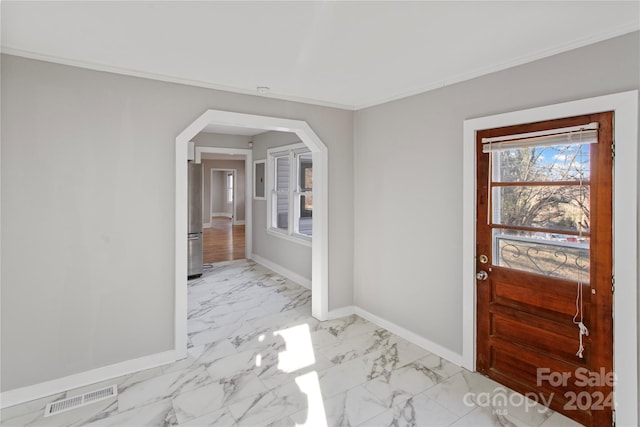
(343, 54)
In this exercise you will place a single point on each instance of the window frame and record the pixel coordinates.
(300, 190)
(230, 187)
(294, 192)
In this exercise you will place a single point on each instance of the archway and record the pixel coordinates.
(320, 246)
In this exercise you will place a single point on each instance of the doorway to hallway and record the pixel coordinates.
(223, 241)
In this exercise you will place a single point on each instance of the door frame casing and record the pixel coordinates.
(248, 160)
(625, 235)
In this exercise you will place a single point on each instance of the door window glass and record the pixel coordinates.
(551, 254)
(540, 209)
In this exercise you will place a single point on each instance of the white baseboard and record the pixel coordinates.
(207, 225)
(398, 330)
(224, 214)
(341, 312)
(59, 385)
(240, 223)
(412, 337)
(295, 277)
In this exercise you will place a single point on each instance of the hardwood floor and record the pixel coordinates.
(223, 241)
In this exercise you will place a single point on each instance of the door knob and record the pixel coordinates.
(481, 275)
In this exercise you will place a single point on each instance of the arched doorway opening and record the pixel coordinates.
(320, 252)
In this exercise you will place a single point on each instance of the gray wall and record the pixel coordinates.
(87, 271)
(408, 153)
(290, 255)
(221, 205)
(218, 204)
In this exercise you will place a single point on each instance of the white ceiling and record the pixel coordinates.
(344, 54)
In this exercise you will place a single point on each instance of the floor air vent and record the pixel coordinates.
(74, 402)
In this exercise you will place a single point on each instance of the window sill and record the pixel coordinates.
(295, 238)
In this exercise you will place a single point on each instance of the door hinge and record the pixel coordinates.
(613, 417)
(613, 149)
(613, 284)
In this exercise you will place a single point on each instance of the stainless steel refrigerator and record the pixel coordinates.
(194, 230)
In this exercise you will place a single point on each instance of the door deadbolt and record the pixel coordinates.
(483, 259)
(481, 275)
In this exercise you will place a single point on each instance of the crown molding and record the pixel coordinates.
(524, 59)
(164, 78)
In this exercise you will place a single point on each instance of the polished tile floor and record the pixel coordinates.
(256, 357)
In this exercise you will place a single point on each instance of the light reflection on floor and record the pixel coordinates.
(310, 386)
(298, 355)
(299, 352)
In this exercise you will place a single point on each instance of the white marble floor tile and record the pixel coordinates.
(162, 387)
(347, 327)
(357, 346)
(436, 364)
(237, 363)
(282, 320)
(208, 336)
(219, 418)
(203, 355)
(249, 337)
(286, 301)
(26, 413)
(263, 332)
(321, 338)
(340, 378)
(526, 410)
(199, 402)
(485, 417)
(389, 355)
(158, 414)
(451, 394)
(200, 324)
(559, 420)
(350, 408)
(21, 417)
(288, 422)
(257, 410)
(407, 352)
(417, 411)
(271, 406)
(211, 397)
(402, 384)
(233, 317)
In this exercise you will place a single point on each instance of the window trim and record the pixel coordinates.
(230, 187)
(292, 151)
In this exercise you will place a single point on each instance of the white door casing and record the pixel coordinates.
(625, 248)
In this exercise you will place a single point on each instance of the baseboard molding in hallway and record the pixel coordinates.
(295, 277)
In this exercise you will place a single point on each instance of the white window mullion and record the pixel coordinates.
(293, 185)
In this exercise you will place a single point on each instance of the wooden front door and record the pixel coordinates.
(544, 261)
